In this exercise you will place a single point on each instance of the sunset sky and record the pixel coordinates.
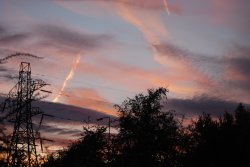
(98, 52)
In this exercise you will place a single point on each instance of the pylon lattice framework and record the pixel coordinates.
(22, 148)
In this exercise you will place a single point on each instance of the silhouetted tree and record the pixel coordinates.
(148, 136)
(203, 135)
(87, 152)
(151, 137)
(3, 144)
(242, 121)
(220, 142)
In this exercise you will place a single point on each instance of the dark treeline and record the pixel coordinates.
(150, 137)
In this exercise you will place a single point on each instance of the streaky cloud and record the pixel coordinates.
(18, 54)
(67, 37)
(8, 37)
(238, 68)
(202, 104)
(148, 4)
(89, 98)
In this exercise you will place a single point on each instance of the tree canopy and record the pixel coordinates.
(150, 136)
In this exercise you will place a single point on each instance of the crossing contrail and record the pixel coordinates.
(69, 77)
(166, 6)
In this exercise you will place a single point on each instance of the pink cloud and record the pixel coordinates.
(89, 98)
(136, 78)
(77, 7)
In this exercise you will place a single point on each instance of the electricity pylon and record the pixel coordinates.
(22, 149)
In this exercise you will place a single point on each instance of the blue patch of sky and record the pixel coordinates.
(195, 34)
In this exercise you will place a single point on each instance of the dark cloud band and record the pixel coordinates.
(18, 54)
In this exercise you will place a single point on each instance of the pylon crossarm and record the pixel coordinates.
(13, 92)
(37, 84)
(9, 102)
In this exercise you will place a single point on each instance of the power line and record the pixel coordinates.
(73, 96)
(85, 83)
(68, 96)
(77, 81)
(67, 119)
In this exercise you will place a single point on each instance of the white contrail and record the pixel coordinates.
(166, 6)
(69, 77)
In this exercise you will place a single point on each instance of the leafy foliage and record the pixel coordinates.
(150, 137)
(223, 142)
(4, 140)
(89, 152)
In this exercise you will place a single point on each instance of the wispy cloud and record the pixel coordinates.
(89, 98)
(8, 37)
(145, 27)
(18, 54)
(52, 36)
(69, 38)
(164, 53)
(140, 4)
(186, 72)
